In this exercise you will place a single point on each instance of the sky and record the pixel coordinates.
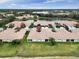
(39, 4)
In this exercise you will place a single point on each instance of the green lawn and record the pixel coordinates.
(43, 49)
(39, 49)
(7, 49)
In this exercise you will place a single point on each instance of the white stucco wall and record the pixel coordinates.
(64, 40)
(57, 40)
(38, 40)
(7, 40)
(60, 40)
(76, 40)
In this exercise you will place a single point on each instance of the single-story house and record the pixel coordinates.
(61, 35)
(10, 34)
(43, 23)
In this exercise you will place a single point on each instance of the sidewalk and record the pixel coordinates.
(57, 57)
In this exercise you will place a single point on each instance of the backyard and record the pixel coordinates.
(25, 49)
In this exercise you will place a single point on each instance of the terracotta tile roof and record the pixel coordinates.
(10, 34)
(59, 34)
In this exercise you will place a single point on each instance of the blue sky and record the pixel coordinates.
(39, 4)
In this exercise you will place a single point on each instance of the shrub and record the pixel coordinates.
(38, 29)
(11, 25)
(58, 25)
(10, 18)
(23, 25)
(50, 26)
(35, 17)
(67, 28)
(24, 19)
(14, 42)
(31, 26)
(1, 42)
(17, 29)
(77, 25)
(52, 41)
(4, 27)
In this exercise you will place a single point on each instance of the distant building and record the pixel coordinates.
(9, 14)
(42, 12)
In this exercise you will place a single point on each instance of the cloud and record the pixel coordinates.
(49, 1)
(13, 4)
(4, 1)
(53, 1)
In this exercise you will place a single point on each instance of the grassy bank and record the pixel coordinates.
(39, 49)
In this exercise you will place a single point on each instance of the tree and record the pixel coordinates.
(11, 18)
(4, 27)
(24, 19)
(23, 25)
(35, 18)
(11, 25)
(17, 29)
(52, 41)
(67, 28)
(50, 25)
(58, 25)
(38, 29)
(31, 26)
(77, 25)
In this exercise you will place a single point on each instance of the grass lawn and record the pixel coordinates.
(7, 49)
(43, 49)
(39, 49)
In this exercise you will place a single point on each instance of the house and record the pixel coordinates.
(41, 32)
(35, 36)
(43, 23)
(42, 12)
(9, 35)
(14, 33)
(60, 34)
(25, 16)
(9, 14)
